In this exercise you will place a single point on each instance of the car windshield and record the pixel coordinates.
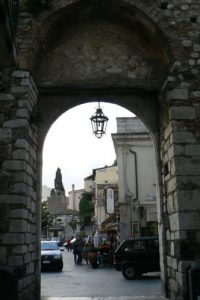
(49, 246)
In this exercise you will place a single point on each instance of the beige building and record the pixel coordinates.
(106, 177)
(136, 168)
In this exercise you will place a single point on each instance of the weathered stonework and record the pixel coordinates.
(143, 55)
(18, 193)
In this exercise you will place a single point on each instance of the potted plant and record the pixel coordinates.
(92, 255)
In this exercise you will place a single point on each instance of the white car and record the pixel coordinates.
(51, 256)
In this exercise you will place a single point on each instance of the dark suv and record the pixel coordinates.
(137, 256)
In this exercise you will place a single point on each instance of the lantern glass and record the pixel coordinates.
(99, 123)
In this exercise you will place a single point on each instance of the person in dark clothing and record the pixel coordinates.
(79, 245)
(75, 252)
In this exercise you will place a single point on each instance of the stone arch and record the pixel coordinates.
(168, 104)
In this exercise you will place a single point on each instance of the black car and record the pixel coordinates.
(137, 256)
(51, 256)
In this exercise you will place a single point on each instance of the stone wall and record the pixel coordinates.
(180, 174)
(18, 176)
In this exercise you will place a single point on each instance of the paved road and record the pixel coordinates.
(104, 283)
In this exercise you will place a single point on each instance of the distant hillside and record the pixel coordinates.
(45, 192)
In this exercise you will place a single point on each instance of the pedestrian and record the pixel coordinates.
(68, 245)
(75, 252)
(79, 244)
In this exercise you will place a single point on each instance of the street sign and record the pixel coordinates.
(110, 205)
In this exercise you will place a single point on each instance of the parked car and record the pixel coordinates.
(51, 256)
(136, 256)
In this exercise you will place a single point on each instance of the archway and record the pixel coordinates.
(79, 136)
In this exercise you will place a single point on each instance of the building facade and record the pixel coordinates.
(104, 178)
(137, 178)
(74, 198)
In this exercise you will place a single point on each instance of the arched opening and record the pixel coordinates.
(83, 66)
(77, 137)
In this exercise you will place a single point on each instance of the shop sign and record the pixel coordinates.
(110, 208)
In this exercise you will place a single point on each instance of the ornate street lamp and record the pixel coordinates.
(99, 122)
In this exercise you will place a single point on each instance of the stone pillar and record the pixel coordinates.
(19, 202)
(181, 187)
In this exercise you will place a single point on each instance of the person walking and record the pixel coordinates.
(79, 244)
(75, 252)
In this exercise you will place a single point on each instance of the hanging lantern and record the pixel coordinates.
(99, 123)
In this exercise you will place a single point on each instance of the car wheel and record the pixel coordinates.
(129, 272)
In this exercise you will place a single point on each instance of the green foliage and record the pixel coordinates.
(86, 209)
(47, 219)
(36, 6)
(58, 181)
(73, 224)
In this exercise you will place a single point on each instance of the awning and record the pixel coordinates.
(110, 224)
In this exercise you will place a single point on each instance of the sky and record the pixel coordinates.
(71, 145)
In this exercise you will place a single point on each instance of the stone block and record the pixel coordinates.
(22, 143)
(15, 261)
(18, 226)
(3, 252)
(16, 123)
(30, 268)
(27, 258)
(172, 250)
(28, 279)
(14, 165)
(12, 199)
(174, 263)
(178, 94)
(174, 222)
(185, 166)
(192, 150)
(6, 97)
(187, 43)
(175, 150)
(168, 131)
(23, 113)
(20, 249)
(196, 47)
(20, 154)
(196, 94)
(173, 285)
(187, 200)
(182, 113)
(28, 238)
(5, 134)
(183, 137)
(25, 103)
(171, 185)
(13, 238)
(18, 90)
(33, 228)
(20, 188)
(19, 213)
(181, 235)
(189, 220)
(21, 74)
(169, 261)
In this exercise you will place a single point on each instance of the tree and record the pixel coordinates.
(86, 209)
(47, 219)
(58, 181)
